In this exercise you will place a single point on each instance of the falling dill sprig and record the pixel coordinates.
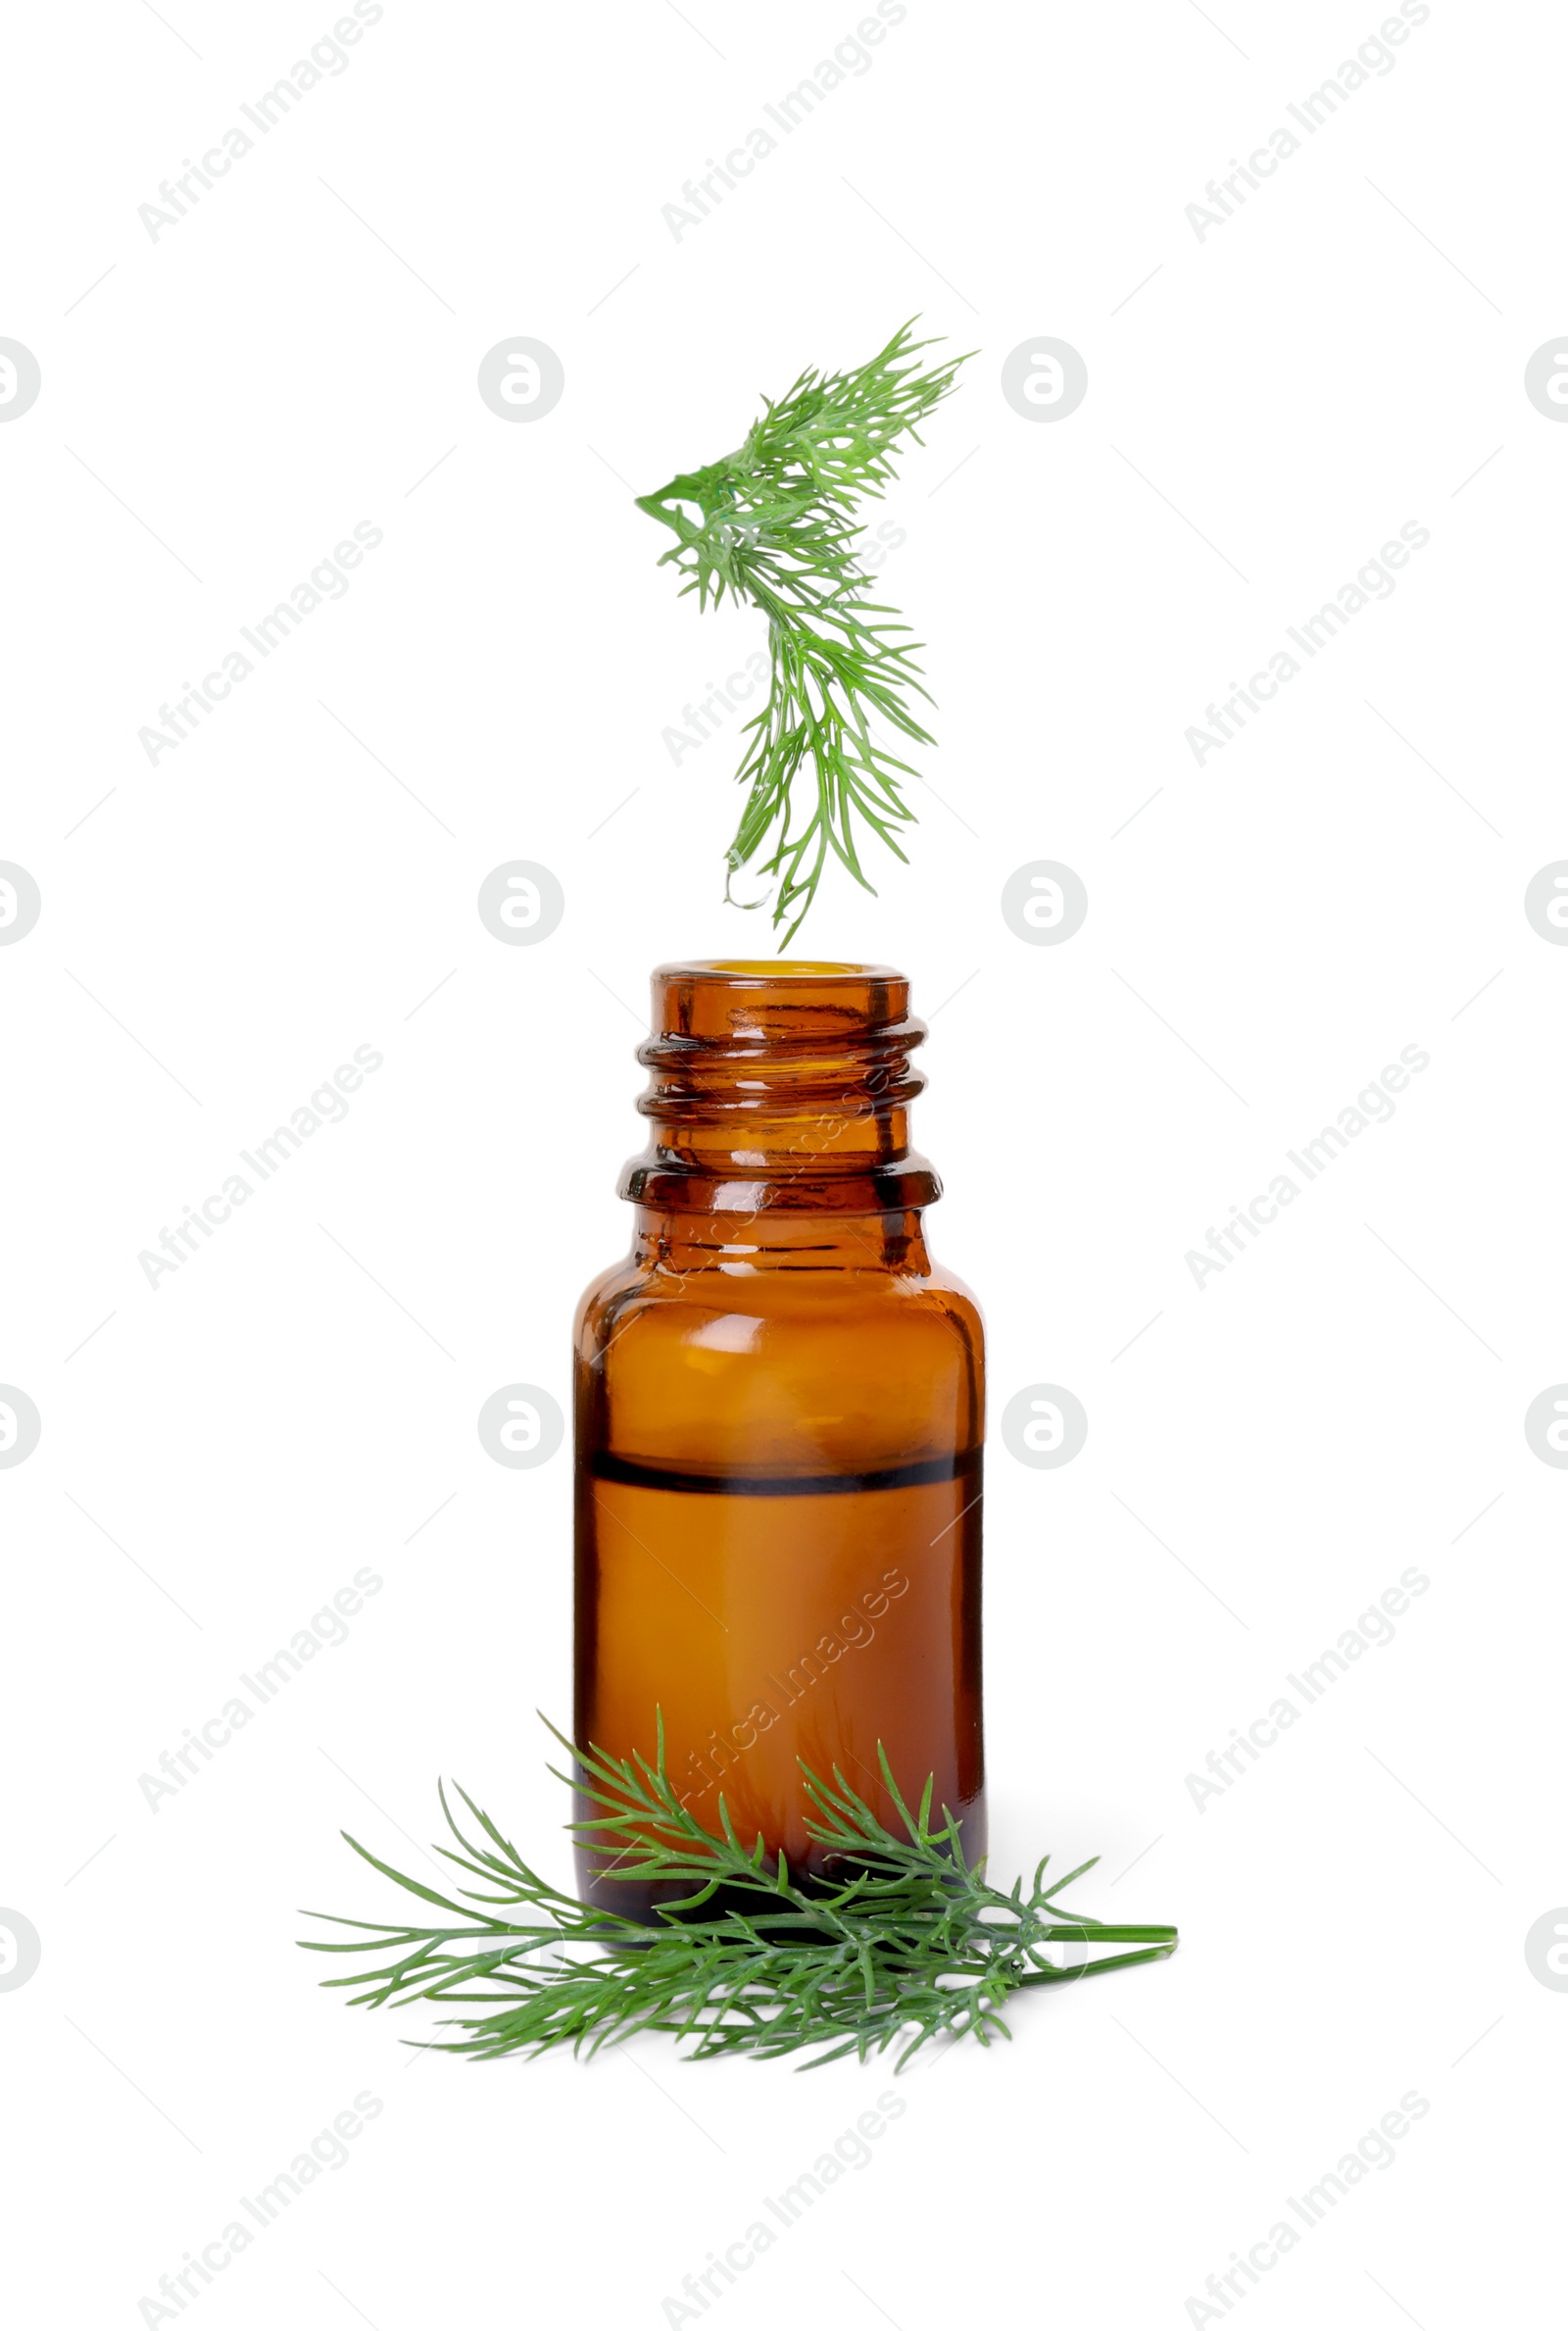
(774, 525)
(901, 1943)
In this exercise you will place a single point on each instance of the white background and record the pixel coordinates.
(218, 931)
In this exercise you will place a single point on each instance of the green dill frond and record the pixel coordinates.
(774, 525)
(904, 1944)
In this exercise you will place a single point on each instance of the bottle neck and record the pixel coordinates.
(780, 1089)
(747, 1245)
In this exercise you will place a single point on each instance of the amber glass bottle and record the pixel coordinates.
(779, 1415)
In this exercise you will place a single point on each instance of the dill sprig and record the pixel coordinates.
(904, 1942)
(774, 526)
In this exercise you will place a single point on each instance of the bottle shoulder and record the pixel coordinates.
(649, 1289)
(781, 1367)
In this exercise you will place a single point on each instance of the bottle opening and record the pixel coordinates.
(776, 970)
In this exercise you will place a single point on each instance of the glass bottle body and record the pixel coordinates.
(779, 1417)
